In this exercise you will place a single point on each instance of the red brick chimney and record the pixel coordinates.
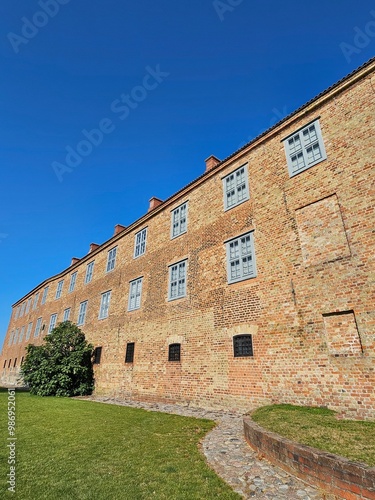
(93, 246)
(154, 202)
(118, 229)
(74, 261)
(211, 162)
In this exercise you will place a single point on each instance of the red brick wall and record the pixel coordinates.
(310, 309)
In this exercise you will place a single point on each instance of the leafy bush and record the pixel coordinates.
(62, 366)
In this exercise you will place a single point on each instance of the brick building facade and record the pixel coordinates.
(252, 285)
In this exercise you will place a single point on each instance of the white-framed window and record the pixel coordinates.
(66, 314)
(82, 313)
(37, 327)
(15, 338)
(177, 280)
(59, 289)
(36, 299)
(23, 306)
(21, 334)
(236, 187)
(111, 260)
(179, 220)
(72, 284)
(104, 305)
(28, 331)
(89, 272)
(140, 243)
(11, 337)
(44, 296)
(28, 305)
(241, 258)
(135, 293)
(17, 312)
(52, 322)
(304, 148)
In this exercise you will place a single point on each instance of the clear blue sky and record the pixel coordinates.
(232, 72)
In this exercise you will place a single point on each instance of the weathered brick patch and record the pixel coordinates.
(334, 474)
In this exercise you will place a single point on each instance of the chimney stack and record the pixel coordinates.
(74, 261)
(118, 229)
(211, 162)
(154, 202)
(93, 246)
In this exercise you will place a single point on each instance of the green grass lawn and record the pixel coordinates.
(319, 428)
(73, 449)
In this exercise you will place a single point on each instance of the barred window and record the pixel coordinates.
(129, 356)
(97, 355)
(242, 346)
(174, 353)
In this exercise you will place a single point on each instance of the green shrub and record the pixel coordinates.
(62, 366)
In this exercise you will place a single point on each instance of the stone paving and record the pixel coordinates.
(231, 457)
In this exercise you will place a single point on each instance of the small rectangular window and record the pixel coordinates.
(97, 355)
(242, 346)
(89, 272)
(135, 293)
(17, 313)
(66, 314)
(5, 364)
(21, 334)
(44, 296)
(82, 313)
(10, 361)
(15, 363)
(177, 280)
(304, 148)
(111, 260)
(140, 243)
(236, 187)
(179, 220)
(28, 331)
(37, 327)
(129, 356)
(174, 353)
(104, 305)
(72, 284)
(59, 289)
(52, 322)
(241, 258)
(36, 299)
